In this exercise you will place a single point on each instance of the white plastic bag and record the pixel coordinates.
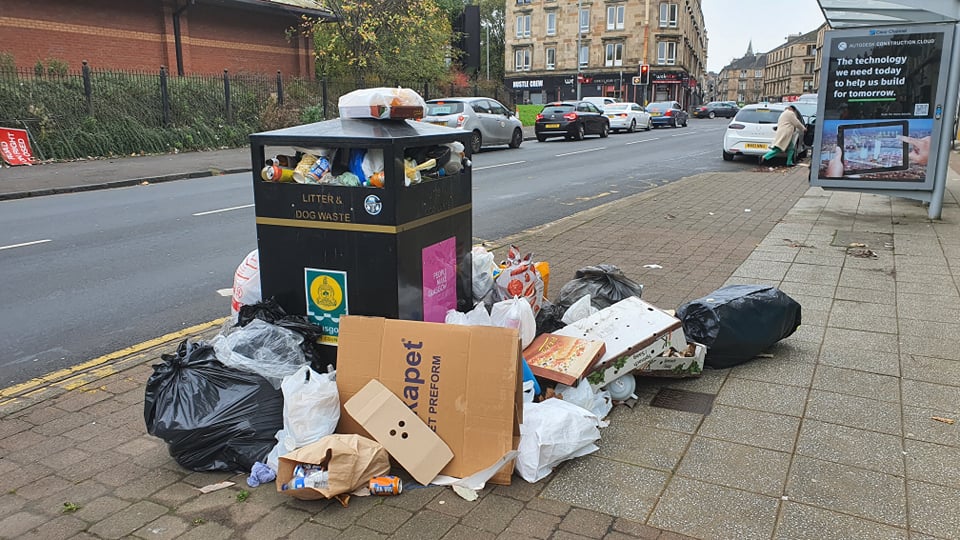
(598, 402)
(477, 316)
(266, 349)
(311, 410)
(516, 313)
(381, 103)
(246, 283)
(483, 270)
(553, 431)
(581, 309)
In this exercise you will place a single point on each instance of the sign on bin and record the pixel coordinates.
(326, 300)
(439, 279)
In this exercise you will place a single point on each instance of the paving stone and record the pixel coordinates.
(928, 329)
(654, 417)
(151, 482)
(736, 465)
(812, 274)
(766, 430)
(884, 363)
(163, 528)
(416, 499)
(549, 506)
(20, 523)
(709, 511)
(276, 524)
(918, 424)
(425, 525)
(775, 370)
(850, 490)
(43, 415)
(78, 400)
(761, 269)
(520, 489)
(865, 295)
(12, 426)
(312, 531)
(449, 503)
(925, 346)
(635, 529)
(462, 532)
(928, 463)
(762, 396)
(851, 446)
(810, 289)
(533, 524)
(174, 494)
(62, 527)
(874, 279)
(492, 514)
(853, 411)
(607, 486)
(801, 522)
(840, 339)
(931, 396)
(566, 535)
(22, 440)
(128, 520)
(208, 530)
(643, 446)
(586, 522)
(933, 509)
(857, 383)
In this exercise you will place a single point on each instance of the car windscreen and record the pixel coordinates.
(616, 107)
(806, 109)
(441, 108)
(659, 106)
(557, 109)
(758, 116)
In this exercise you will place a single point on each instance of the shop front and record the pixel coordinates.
(559, 87)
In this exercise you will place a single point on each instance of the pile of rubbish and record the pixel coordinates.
(517, 385)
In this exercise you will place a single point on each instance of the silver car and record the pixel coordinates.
(491, 123)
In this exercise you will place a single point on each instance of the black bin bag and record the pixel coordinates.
(739, 322)
(605, 283)
(212, 417)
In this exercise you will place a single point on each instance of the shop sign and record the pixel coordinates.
(527, 83)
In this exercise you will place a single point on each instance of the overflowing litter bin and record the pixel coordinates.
(382, 225)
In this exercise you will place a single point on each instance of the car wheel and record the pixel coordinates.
(673, 123)
(476, 141)
(685, 121)
(517, 138)
(605, 131)
(649, 125)
(803, 153)
(579, 134)
(727, 156)
(633, 126)
(711, 115)
(541, 138)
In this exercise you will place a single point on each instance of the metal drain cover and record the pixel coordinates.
(873, 240)
(683, 400)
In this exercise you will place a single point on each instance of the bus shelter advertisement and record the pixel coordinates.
(879, 102)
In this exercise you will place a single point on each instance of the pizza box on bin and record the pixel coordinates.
(463, 382)
(415, 447)
(634, 332)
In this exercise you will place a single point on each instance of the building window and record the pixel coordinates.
(584, 20)
(807, 86)
(523, 26)
(667, 52)
(615, 17)
(584, 55)
(740, 98)
(758, 73)
(551, 58)
(519, 2)
(808, 68)
(668, 15)
(552, 23)
(614, 54)
(743, 85)
(743, 74)
(522, 61)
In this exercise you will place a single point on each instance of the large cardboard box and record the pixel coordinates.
(464, 382)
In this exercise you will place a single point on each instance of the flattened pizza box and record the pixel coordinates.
(634, 333)
(464, 382)
(563, 359)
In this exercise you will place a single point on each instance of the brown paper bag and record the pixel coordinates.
(351, 461)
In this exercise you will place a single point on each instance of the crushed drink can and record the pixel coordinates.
(385, 485)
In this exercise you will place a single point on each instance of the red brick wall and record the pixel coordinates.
(138, 35)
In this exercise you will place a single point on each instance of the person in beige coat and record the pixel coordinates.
(788, 124)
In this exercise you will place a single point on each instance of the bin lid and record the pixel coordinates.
(358, 131)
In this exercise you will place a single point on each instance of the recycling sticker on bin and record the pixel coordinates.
(326, 300)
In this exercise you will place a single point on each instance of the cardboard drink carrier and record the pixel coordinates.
(463, 382)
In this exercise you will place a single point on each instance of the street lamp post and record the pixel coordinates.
(579, 37)
(488, 50)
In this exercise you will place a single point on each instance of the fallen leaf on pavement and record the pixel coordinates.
(856, 245)
(942, 419)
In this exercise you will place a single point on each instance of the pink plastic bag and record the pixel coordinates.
(520, 278)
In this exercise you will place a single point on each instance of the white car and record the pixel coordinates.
(627, 117)
(753, 129)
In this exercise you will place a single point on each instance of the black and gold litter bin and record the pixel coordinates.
(340, 244)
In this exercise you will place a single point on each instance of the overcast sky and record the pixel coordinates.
(731, 24)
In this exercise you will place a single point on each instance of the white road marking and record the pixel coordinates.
(683, 134)
(645, 140)
(581, 151)
(500, 165)
(225, 292)
(11, 246)
(223, 210)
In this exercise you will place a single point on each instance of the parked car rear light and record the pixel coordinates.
(622, 115)
(571, 116)
(668, 113)
(460, 120)
(539, 116)
(736, 126)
